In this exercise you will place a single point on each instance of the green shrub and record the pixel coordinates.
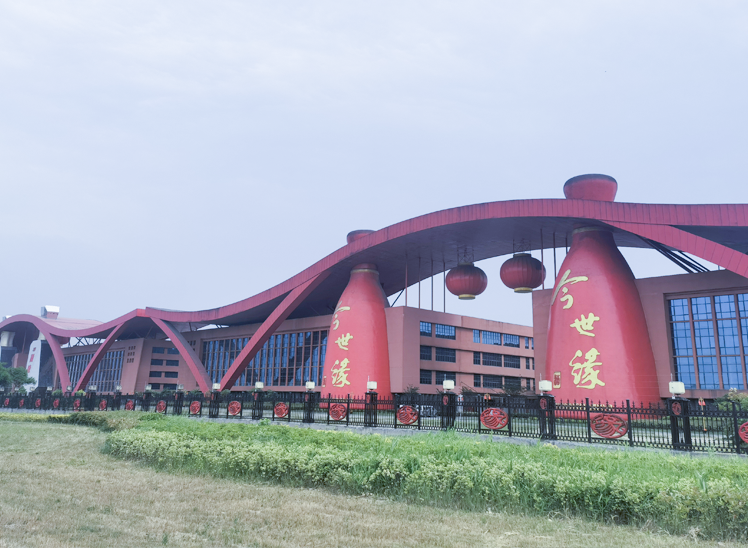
(675, 493)
(108, 422)
(22, 417)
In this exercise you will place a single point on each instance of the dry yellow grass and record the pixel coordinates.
(58, 490)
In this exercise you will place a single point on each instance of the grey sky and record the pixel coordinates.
(189, 154)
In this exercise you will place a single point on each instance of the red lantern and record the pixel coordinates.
(523, 273)
(466, 281)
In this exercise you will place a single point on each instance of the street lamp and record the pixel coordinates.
(259, 385)
(448, 385)
(545, 386)
(371, 386)
(310, 385)
(677, 388)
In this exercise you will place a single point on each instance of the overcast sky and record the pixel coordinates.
(186, 155)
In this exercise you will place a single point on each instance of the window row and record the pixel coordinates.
(165, 374)
(289, 359)
(448, 355)
(158, 386)
(501, 382)
(108, 373)
(501, 339)
(709, 336)
(170, 363)
(164, 350)
(440, 331)
(497, 360)
(427, 375)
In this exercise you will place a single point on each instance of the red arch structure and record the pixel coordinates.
(413, 250)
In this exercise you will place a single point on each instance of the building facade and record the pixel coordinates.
(425, 348)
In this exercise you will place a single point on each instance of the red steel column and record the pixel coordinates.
(357, 349)
(598, 343)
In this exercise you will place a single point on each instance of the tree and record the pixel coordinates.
(12, 378)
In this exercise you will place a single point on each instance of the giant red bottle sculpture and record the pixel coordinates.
(357, 349)
(598, 343)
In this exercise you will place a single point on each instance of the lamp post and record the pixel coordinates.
(449, 407)
(90, 396)
(215, 401)
(259, 401)
(179, 399)
(370, 405)
(146, 403)
(678, 409)
(309, 402)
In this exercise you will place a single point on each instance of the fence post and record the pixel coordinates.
(589, 424)
(735, 427)
(395, 405)
(631, 424)
(309, 401)
(449, 410)
(348, 410)
(370, 409)
(509, 416)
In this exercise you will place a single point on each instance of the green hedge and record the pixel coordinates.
(23, 417)
(673, 492)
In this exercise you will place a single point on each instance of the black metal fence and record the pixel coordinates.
(676, 424)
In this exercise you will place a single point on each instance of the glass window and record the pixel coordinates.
(442, 376)
(679, 310)
(685, 372)
(532, 343)
(527, 343)
(527, 363)
(512, 361)
(476, 335)
(426, 352)
(681, 333)
(155, 386)
(446, 355)
(732, 372)
(708, 378)
(172, 351)
(173, 363)
(171, 374)
(513, 382)
(729, 343)
(492, 359)
(743, 304)
(155, 374)
(701, 308)
(158, 350)
(444, 331)
(511, 340)
(724, 306)
(157, 362)
(425, 376)
(476, 381)
(476, 358)
(489, 337)
(493, 381)
(704, 338)
(170, 387)
(425, 329)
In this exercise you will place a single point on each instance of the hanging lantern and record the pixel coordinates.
(523, 273)
(466, 281)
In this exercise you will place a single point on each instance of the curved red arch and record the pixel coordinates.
(666, 224)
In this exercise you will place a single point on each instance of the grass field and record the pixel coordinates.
(58, 489)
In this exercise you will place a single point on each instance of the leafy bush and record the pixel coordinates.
(108, 422)
(23, 417)
(675, 493)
